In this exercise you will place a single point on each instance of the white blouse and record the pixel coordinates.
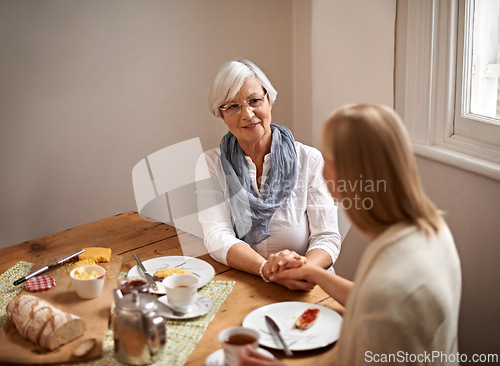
(308, 220)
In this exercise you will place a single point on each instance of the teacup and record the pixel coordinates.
(88, 281)
(234, 339)
(181, 290)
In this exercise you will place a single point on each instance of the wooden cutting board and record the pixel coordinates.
(95, 312)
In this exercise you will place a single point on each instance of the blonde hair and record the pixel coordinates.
(370, 144)
(229, 79)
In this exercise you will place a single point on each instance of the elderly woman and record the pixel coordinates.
(406, 292)
(267, 203)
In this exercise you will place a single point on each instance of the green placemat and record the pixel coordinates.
(7, 290)
(182, 335)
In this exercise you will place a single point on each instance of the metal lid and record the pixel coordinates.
(134, 301)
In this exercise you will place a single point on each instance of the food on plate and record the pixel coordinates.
(42, 323)
(307, 318)
(161, 274)
(82, 274)
(98, 254)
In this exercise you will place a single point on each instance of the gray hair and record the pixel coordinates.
(230, 78)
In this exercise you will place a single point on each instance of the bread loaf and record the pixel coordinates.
(20, 312)
(42, 323)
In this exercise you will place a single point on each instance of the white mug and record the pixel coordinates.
(180, 290)
(234, 339)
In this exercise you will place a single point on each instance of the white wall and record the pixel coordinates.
(88, 88)
(352, 53)
(472, 208)
(302, 71)
(352, 61)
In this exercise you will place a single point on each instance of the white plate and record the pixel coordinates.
(217, 358)
(324, 331)
(201, 269)
(202, 305)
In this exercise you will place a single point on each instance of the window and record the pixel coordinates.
(448, 74)
(480, 99)
(476, 119)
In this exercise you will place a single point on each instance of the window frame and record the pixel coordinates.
(432, 72)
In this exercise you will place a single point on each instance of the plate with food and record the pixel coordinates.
(162, 267)
(304, 326)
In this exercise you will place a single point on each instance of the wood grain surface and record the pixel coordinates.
(95, 313)
(128, 233)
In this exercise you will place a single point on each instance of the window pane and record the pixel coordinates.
(482, 63)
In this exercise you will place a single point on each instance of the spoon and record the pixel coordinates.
(164, 307)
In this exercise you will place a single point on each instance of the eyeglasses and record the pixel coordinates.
(231, 109)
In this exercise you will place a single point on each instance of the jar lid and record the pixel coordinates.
(40, 283)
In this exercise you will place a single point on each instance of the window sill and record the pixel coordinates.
(459, 160)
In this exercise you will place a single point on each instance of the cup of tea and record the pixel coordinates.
(181, 290)
(234, 339)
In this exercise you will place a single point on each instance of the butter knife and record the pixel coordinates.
(44, 268)
(275, 330)
(146, 274)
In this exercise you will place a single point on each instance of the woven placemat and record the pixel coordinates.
(182, 335)
(7, 289)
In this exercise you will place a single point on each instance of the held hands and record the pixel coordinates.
(285, 259)
(282, 261)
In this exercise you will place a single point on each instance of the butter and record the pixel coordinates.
(81, 274)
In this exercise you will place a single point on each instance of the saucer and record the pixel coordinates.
(217, 358)
(201, 305)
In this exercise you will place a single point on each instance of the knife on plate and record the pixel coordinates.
(146, 274)
(44, 268)
(275, 330)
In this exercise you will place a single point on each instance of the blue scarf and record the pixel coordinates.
(250, 211)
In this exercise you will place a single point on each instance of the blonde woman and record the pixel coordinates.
(404, 301)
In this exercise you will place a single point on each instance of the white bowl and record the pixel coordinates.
(89, 288)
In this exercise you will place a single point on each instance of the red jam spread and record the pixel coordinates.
(135, 284)
(309, 315)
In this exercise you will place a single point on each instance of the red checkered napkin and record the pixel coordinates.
(40, 283)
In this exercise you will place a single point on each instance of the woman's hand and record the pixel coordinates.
(285, 259)
(293, 274)
(250, 357)
(334, 285)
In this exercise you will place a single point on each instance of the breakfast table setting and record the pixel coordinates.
(128, 295)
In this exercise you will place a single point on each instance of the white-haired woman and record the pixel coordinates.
(267, 202)
(404, 301)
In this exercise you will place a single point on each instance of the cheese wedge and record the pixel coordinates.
(97, 254)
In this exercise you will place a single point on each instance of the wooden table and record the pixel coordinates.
(127, 233)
